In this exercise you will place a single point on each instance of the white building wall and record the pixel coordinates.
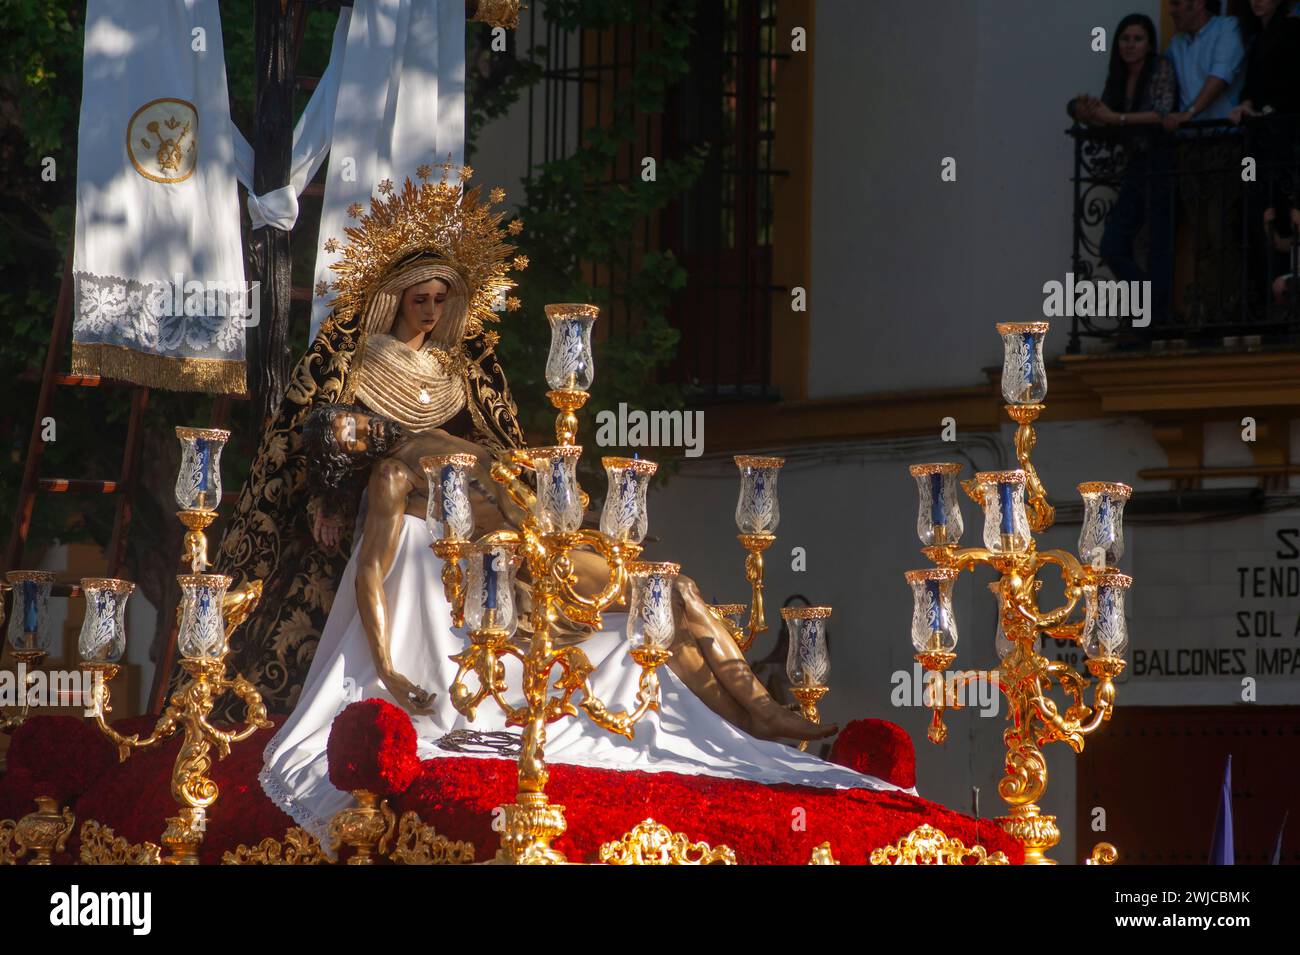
(903, 263)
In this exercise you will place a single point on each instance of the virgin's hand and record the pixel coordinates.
(406, 693)
(327, 531)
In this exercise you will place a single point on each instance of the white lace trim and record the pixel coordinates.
(147, 316)
(277, 790)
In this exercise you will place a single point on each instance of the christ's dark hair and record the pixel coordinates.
(335, 474)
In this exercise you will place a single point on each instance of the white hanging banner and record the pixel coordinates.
(159, 291)
(400, 105)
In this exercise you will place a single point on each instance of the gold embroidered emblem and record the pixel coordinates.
(162, 140)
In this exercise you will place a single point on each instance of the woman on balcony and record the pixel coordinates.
(1141, 90)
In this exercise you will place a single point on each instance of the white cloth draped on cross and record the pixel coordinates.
(391, 100)
(160, 296)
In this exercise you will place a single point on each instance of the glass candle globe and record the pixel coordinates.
(1024, 377)
(624, 518)
(650, 606)
(29, 618)
(103, 629)
(934, 626)
(202, 632)
(569, 365)
(1102, 533)
(938, 519)
(757, 510)
(448, 516)
(558, 507)
(1105, 632)
(198, 483)
(490, 592)
(1006, 525)
(808, 659)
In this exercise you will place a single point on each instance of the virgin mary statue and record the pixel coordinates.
(405, 367)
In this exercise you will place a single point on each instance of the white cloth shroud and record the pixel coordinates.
(685, 736)
(391, 100)
(159, 292)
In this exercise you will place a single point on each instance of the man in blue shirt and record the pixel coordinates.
(1208, 57)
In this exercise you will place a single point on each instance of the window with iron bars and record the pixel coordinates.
(722, 229)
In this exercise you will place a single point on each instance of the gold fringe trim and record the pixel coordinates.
(213, 375)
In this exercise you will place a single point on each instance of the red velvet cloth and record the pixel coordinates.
(878, 748)
(372, 746)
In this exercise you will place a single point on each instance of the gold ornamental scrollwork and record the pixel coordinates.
(300, 847)
(926, 845)
(821, 855)
(419, 844)
(1103, 853)
(101, 846)
(650, 843)
(7, 854)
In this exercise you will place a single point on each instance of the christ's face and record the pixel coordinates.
(352, 431)
(421, 309)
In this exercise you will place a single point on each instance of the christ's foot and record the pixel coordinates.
(776, 722)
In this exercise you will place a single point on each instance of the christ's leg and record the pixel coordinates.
(769, 719)
(707, 660)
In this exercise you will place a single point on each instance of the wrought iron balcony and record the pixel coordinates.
(1149, 204)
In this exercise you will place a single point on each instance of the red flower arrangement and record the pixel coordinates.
(778, 824)
(372, 746)
(877, 748)
(62, 755)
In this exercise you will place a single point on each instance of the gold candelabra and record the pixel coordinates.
(544, 544)
(208, 614)
(1015, 505)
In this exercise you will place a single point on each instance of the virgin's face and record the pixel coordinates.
(421, 308)
(1133, 44)
(1264, 8)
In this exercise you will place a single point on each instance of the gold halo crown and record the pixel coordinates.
(440, 218)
